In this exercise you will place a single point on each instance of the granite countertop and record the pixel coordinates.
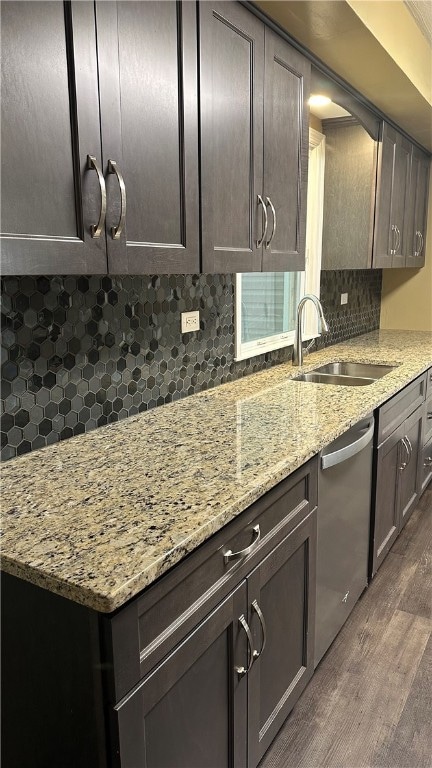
(99, 517)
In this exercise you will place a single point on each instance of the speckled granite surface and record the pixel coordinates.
(99, 517)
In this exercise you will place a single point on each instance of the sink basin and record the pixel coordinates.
(363, 370)
(346, 374)
(328, 378)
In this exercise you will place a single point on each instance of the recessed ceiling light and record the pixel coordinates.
(316, 100)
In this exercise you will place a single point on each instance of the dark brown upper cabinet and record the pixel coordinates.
(149, 125)
(416, 211)
(394, 161)
(52, 184)
(99, 137)
(254, 144)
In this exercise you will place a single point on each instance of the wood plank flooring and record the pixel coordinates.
(369, 704)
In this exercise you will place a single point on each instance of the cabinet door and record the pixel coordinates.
(401, 181)
(286, 152)
(419, 192)
(384, 236)
(389, 465)
(149, 122)
(231, 98)
(282, 588)
(49, 125)
(190, 712)
(410, 477)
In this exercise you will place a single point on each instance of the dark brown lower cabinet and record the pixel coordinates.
(281, 594)
(191, 711)
(218, 700)
(397, 484)
(198, 671)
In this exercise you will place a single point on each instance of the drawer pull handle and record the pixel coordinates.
(92, 165)
(428, 462)
(258, 611)
(230, 555)
(429, 415)
(241, 671)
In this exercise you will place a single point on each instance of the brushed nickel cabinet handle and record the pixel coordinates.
(398, 239)
(230, 555)
(394, 239)
(264, 232)
(405, 463)
(410, 448)
(429, 415)
(92, 165)
(272, 208)
(428, 461)
(421, 243)
(116, 231)
(241, 671)
(257, 609)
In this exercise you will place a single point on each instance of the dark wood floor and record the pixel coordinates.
(369, 703)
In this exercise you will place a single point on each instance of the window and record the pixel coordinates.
(266, 303)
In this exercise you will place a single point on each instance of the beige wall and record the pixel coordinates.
(407, 293)
(315, 123)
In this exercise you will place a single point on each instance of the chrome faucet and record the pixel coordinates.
(298, 351)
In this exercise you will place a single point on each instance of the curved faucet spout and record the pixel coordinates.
(297, 355)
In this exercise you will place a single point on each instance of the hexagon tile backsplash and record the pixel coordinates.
(80, 352)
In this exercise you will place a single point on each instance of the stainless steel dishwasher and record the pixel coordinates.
(344, 501)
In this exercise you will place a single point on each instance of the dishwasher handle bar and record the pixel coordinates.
(337, 457)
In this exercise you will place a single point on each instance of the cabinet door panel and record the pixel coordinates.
(386, 523)
(401, 182)
(409, 478)
(384, 238)
(149, 117)
(284, 587)
(286, 151)
(190, 712)
(231, 93)
(50, 123)
(420, 182)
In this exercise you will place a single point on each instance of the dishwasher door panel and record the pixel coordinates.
(342, 543)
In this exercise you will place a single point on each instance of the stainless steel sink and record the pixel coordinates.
(346, 374)
(328, 378)
(364, 370)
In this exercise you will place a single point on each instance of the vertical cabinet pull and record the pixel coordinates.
(257, 609)
(116, 231)
(393, 242)
(419, 243)
(241, 671)
(92, 165)
(408, 455)
(264, 232)
(272, 208)
(398, 239)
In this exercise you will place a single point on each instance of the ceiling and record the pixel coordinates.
(381, 47)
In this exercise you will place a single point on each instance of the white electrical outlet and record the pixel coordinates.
(344, 298)
(190, 321)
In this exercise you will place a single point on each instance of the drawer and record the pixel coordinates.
(399, 407)
(426, 466)
(144, 631)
